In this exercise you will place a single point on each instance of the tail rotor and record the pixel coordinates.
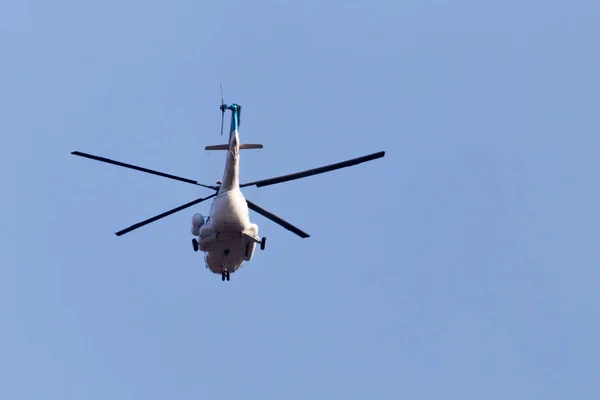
(223, 107)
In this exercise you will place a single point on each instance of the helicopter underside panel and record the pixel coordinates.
(225, 255)
(227, 251)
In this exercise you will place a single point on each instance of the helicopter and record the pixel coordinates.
(226, 236)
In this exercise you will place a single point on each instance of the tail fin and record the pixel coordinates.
(243, 146)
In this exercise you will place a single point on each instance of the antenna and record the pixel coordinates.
(222, 107)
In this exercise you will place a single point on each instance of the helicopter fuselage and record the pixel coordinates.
(228, 237)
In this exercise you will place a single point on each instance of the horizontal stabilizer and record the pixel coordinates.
(243, 146)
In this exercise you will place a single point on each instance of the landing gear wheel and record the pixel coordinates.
(263, 243)
(195, 244)
(227, 275)
(222, 276)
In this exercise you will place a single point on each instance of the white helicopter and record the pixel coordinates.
(227, 236)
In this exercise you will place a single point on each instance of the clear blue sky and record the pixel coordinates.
(463, 265)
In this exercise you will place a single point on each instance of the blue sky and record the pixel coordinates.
(462, 265)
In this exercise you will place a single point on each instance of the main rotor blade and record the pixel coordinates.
(121, 164)
(315, 171)
(165, 214)
(276, 219)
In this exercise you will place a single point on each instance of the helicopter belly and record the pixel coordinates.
(225, 255)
